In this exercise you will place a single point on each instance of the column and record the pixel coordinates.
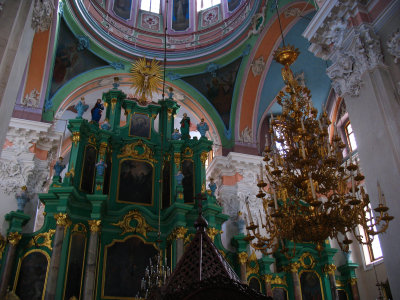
(13, 239)
(180, 235)
(62, 222)
(354, 289)
(293, 268)
(330, 272)
(243, 261)
(268, 288)
(89, 284)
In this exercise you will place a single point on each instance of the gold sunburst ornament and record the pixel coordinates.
(146, 78)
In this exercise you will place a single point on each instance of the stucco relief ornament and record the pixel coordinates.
(12, 175)
(42, 15)
(31, 99)
(394, 45)
(245, 136)
(292, 12)
(258, 66)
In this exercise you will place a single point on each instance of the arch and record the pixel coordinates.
(250, 90)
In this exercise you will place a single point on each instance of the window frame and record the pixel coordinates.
(200, 9)
(150, 5)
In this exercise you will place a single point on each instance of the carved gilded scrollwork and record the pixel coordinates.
(279, 280)
(3, 243)
(177, 160)
(330, 269)
(252, 265)
(103, 147)
(133, 151)
(42, 239)
(212, 232)
(203, 157)
(187, 153)
(141, 226)
(307, 261)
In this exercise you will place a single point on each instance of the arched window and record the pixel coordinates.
(204, 4)
(150, 5)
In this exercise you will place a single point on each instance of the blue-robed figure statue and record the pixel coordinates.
(100, 167)
(59, 166)
(185, 127)
(202, 127)
(81, 107)
(97, 110)
(22, 198)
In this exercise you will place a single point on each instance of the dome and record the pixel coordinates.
(194, 28)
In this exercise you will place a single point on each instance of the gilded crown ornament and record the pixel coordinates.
(309, 194)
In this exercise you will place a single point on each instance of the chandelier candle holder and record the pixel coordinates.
(305, 189)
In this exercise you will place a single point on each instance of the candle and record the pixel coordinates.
(261, 171)
(275, 201)
(312, 185)
(248, 212)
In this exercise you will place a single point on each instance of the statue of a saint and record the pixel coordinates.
(179, 177)
(202, 127)
(185, 126)
(81, 107)
(22, 198)
(212, 186)
(96, 111)
(106, 125)
(100, 167)
(59, 166)
(170, 93)
(176, 135)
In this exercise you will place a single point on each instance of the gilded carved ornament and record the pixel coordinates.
(330, 269)
(92, 140)
(42, 239)
(113, 103)
(141, 226)
(187, 153)
(252, 265)
(76, 137)
(103, 147)
(170, 112)
(79, 227)
(3, 243)
(14, 238)
(293, 267)
(242, 257)
(132, 151)
(177, 160)
(212, 232)
(268, 278)
(279, 280)
(180, 232)
(203, 157)
(62, 219)
(307, 261)
(353, 281)
(94, 225)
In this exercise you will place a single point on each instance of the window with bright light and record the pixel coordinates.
(150, 5)
(204, 4)
(351, 139)
(372, 251)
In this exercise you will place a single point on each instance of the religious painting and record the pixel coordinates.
(180, 15)
(75, 266)
(279, 293)
(218, 87)
(71, 59)
(107, 174)
(88, 170)
(233, 4)
(32, 276)
(140, 126)
(125, 264)
(166, 185)
(135, 182)
(188, 180)
(342, 295)
(255, 284)
(122, 8)
(310, 286)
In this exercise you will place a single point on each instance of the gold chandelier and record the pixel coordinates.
(312, 194)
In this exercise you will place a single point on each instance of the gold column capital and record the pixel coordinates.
(243, 257)
(94, 225)
(62, 219)
(76, 137)
(180, 232)
(212, 232)
(293, 267)
(14, 238)
(268, 278)
(330, 269)
(203, 157)
(353, 281)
